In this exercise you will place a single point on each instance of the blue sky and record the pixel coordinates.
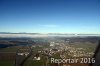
(50, 16)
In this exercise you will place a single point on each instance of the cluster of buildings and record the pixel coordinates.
(63, 50)
(68, 50)
(23, 53)
(78, 52)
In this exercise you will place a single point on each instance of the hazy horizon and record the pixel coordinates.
(43, 33)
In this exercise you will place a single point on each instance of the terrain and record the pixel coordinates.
(38, 51)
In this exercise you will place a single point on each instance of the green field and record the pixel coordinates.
(7, 63)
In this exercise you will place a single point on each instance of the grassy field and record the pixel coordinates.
(9, 49)
(7, 63)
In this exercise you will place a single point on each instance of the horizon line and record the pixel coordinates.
(46, 33)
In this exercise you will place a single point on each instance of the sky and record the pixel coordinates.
(50, 16)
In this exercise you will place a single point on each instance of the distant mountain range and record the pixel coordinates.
(17, 33)
(47, 33)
